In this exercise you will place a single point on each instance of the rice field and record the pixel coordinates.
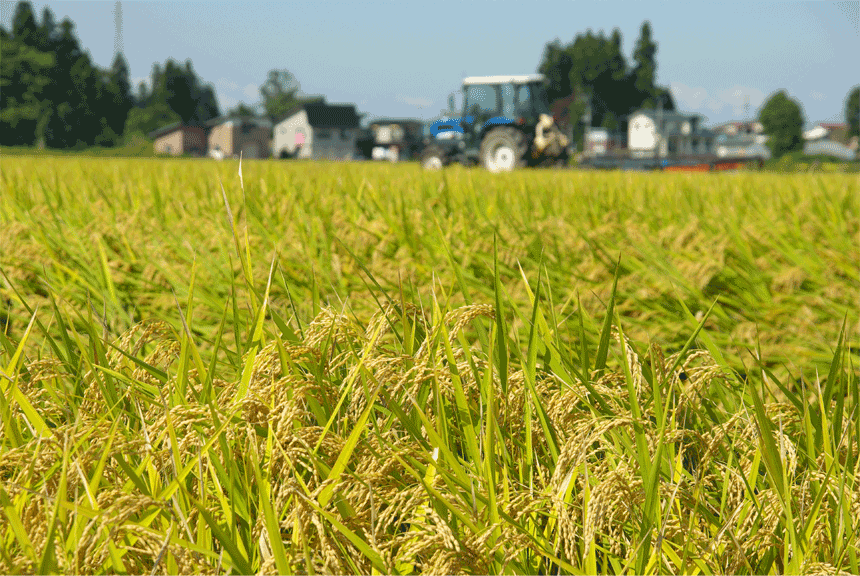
(360, 368)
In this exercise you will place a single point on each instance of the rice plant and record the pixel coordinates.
(323, 368)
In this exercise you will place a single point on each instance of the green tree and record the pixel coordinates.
(782, 120)
(24, 76)
(207, 105)
(852, 112)
(556, 66)
(279, 94)
(592, 68)
(46, 34)
(241, 109)
(142, 121)
(78, 95)
(181, 91)
(24, 26)
(644, 73)
(119, 92)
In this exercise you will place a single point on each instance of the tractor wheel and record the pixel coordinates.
(433, 158)
(503, 149)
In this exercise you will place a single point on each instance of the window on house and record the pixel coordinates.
(247, 128)
(323, 134)
(344, 134)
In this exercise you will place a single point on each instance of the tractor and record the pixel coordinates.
(505, 124)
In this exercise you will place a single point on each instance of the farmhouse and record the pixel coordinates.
(239, 134)
(663, 134)
(827, 131)
(177, 139)
(317, 131)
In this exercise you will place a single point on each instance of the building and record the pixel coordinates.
(177, 139)
(245, 135)
(745, 145)
(396, 139)
(827, 131)
(739, 128)
(318, 131)
(657, 133)
(602, 141)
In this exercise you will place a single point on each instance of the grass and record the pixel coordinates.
(363, 368)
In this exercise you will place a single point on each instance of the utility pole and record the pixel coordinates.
(117, 38)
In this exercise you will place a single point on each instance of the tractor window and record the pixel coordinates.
(482, 101)
(523, 96)
(508, 108)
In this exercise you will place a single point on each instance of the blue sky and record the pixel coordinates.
(403, 58)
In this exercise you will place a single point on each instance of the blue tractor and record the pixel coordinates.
(505, 124)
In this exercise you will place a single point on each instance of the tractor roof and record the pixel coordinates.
(503, 79)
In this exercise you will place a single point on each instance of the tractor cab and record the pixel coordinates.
(505, 123)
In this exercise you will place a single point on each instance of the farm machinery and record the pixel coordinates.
(505, 124)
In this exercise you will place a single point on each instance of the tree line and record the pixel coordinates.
(592, 82)
(53, 95)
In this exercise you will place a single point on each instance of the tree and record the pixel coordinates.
(645, 71)
(119, 90)
(179, 89)
(241, 109)
(52, 92)
(556, 66)
(24, 76)
(592, 68)
(782, 120)
(46, 35)
(24, 27)
(207, 105)
(852, 112)
(142, 121)
(279, 93)
(142, 95)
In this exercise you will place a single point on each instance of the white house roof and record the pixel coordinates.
(816, 133)
(503, 79)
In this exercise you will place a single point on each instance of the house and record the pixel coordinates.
(830, 148)
(827, 131)
(739, 128)
(177, 139)
(663, 134)
(318, 131)
(742, 146)
(391, 136)
(248, 135)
